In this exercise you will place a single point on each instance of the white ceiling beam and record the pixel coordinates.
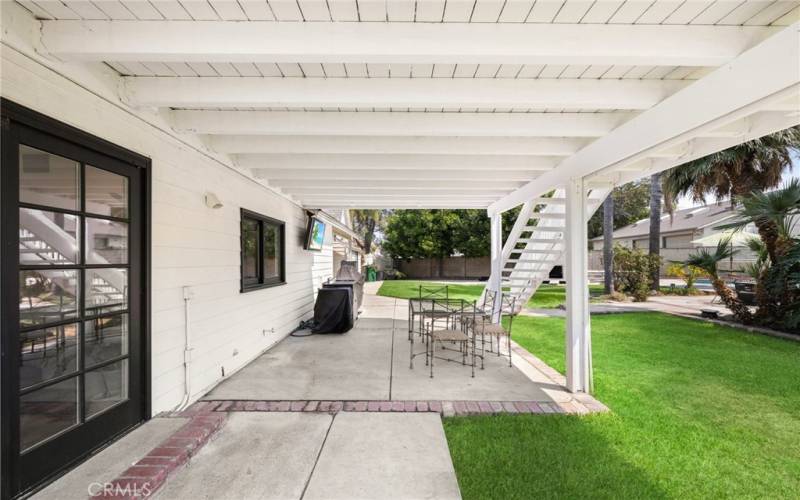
(398, 43)
(373, 162)
(488, 174)
(351, 144)
(762, 76)
(441, 194)
(386, 123)
(255, 92)
(422, 204)
(353, 185)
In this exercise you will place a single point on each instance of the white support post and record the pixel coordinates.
(578, 334)
(496, 277)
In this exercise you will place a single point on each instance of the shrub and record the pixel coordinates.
(633, 270)
(689, 274)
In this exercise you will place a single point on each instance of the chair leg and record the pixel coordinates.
(431, 350)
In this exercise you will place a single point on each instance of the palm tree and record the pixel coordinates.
(775, 214)
(655, 229)
(709, 262)
(608, 244)
(735, 172)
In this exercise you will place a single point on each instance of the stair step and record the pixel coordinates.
(549, 201)
(553, 241)
(531, 261)
(548, 215)
(533, 250)
(545, 229)
(526, 271)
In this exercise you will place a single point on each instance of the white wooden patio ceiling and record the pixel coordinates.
(443, 103)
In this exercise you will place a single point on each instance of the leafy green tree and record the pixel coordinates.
(441, 233)
(366, 222)
(631, 203)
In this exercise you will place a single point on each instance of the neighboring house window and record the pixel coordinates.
(663, 242)
(263, 252)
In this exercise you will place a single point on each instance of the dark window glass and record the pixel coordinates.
(47, 353)
(48, 238)
(106, 241)
(47, 179)
(105, 338)
(47, 296)
(249, 251)
(105, 387)
(106, 193)
(272, 251)
(48, 411)
(262, 251)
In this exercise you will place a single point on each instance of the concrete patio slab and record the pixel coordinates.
(110, 462)
(387, 456)
(354, 365)
(256, 455)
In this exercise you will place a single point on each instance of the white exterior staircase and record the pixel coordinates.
(536, 243)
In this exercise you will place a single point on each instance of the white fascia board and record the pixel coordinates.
(255, 92)
(422, 145)
(387, 123)
(768, 73)
(396, 43)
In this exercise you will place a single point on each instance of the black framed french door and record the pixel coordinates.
(73, 295)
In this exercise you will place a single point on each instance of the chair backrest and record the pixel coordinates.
(508, 304)
(489, 298)
(446, 313)
(434, 292)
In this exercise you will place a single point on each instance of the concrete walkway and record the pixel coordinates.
(320, 456)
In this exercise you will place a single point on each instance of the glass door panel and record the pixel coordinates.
(75, 292)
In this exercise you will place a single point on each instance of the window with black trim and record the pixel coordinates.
(263, 251)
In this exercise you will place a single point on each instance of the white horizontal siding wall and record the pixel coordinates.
(192, 245)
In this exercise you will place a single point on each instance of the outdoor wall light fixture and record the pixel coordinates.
(212, 201)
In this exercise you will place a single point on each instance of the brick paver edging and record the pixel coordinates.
(445, 408)
(147, 475)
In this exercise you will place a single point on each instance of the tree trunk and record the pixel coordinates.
(368, 235)
(739, 310)
(655, 227)
(608, 244)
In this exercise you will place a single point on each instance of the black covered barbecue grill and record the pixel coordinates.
(338, 301)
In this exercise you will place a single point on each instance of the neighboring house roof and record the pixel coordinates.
(686, 220)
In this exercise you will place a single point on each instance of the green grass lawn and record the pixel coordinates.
(698, 411)
(546, 297)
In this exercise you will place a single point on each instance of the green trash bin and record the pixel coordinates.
(371, 274)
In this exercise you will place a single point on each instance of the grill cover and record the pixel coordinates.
(333, 311)
(338, 300)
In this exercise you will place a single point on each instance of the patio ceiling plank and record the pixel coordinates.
(397, 43)
(255, 92)
(387, 123)
(488, 174)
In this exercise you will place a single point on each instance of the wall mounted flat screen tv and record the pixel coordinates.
(315, 234)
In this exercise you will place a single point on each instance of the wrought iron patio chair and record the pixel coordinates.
(492, 326)
(416, 307)
(447, 326)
